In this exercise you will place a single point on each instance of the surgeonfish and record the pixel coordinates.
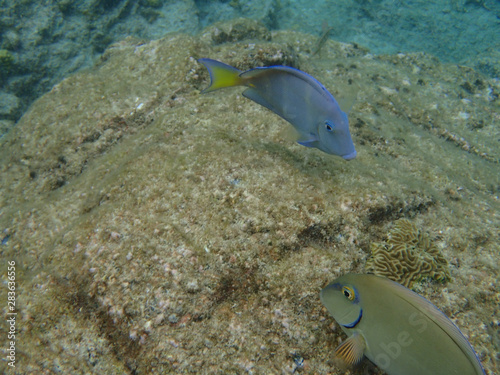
(295, 96)
(397, 329)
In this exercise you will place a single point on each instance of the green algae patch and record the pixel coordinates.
(155, 223)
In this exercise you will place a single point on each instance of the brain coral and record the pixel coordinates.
(407, 256)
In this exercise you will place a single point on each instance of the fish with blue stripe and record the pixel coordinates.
(294, 95)
(397, 329)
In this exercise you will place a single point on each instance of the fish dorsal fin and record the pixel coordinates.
(438, 317)
(351, 350)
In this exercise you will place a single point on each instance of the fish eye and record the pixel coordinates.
(348, 292)
(328, 127)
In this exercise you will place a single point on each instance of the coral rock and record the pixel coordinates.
(408, 256)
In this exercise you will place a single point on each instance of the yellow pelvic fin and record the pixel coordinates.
(221, 75)
(351, 350)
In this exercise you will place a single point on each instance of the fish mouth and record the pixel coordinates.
(350, 156)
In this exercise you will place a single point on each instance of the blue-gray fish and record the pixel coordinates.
(398, 330)
(295, 96)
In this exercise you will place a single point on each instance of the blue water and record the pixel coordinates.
(44, 42)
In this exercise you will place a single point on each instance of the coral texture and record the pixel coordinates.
(408, 256)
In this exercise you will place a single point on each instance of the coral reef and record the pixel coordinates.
(157, 230)
(408, 256)
(236, 30)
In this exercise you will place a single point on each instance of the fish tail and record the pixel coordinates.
(221, 75)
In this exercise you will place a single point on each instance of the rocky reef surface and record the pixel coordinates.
(42, 42)
(159, 230)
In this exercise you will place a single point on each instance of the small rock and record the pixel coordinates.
(193, 287)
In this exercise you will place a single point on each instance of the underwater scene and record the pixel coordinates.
(250, 187)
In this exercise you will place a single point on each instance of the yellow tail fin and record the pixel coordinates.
(221, 75)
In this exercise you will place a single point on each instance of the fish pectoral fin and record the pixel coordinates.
(351, 350)
(309, 142)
